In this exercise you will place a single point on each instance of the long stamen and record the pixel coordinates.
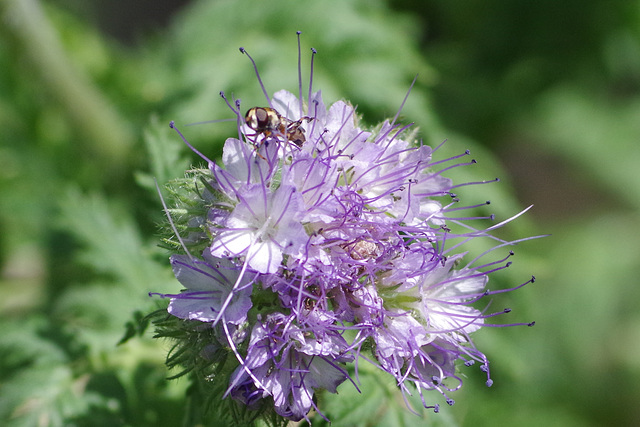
(255, 67)
(300, 112)
(171, 223)
(313, 54)
(236, 110)
(205, 122)
(404, 100)
(172, 125)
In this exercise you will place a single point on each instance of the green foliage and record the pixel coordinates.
(379, 402)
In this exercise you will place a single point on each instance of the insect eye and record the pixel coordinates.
(262, 117)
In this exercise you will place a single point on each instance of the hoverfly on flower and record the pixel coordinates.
(352, 241)
(267, 121)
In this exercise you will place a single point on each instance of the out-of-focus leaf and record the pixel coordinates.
(111, 240)
(92, 115)
(37, 382)
(112, 246)
(596, 135)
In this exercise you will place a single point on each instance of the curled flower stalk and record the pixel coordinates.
(314, 243)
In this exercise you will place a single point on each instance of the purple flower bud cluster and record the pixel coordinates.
(328, 243)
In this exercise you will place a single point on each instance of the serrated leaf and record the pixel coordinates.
(112, 242)
(165, 159)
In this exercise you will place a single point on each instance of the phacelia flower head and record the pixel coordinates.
(324, 242)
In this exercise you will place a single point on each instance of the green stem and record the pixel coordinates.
(106, 134)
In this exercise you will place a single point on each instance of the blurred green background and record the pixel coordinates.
(546, 94)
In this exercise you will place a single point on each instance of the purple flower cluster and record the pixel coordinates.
(327, 248)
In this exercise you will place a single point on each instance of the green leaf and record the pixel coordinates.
(380, 403)
(112, 241)
(165, 156)
(112, 245)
